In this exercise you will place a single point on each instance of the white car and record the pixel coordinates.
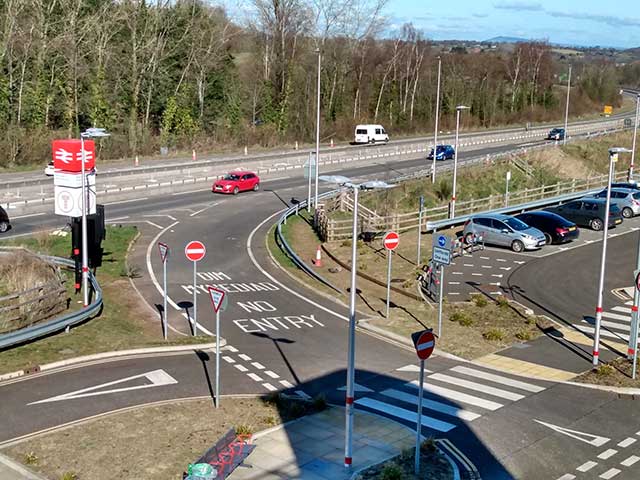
(49, 170)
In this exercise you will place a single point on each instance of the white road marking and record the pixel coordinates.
(505, 268)
(191, 191)
(205, 208)
(108, 220)
(620, 326)
(496, 392)
(497, 284)
(453, 293)
(254, 377)
(245, 357)
(519, 262)
(603, 332)
(257, 365)
(356, 388)
(626, 442)
(498, 275)
(242, 368)
(567, 476)
(432, 405)
(585, 467)
(467, 264)
(529, 387)
(486, 266)
(622, 309)
(127, 201)
(228, 359)
(616, 316)
(454, 283)
(607, 454)
(629, 461)
(271, 374)
(300, 393)
(287, 384)
(456, 273)
(595, 440)
(159, 227)
(230, 348)
(458, 396)
(500, 260)
(29, 215)
(408, 415)
(476, 274)
(612, 472)
(269, 387)
(485, 258)
(410, 368)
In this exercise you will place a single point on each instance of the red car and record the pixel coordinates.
(236, 182)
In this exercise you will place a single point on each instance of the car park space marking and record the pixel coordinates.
(567, 476)
(228, 359)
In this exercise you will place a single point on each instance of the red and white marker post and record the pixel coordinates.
(391, 241)
(425, 342)
(195, 251)
(164, 256)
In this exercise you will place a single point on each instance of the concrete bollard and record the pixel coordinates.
(296, 145)
(136, 163)
(246, 151)
(193, 155)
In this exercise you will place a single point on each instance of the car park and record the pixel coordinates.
(503, 230)
(5, 224)
(627, 200)
(443, 152)
(556, 229)
(588, 212)
(236, 182)
(556, 134)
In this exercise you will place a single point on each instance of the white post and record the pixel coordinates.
(85, 253)
(165, 323)
(389, 254)
(315, 201)
(195, 302)
(452, 212)
(419, 419)
(635, 134)
(506, 192)
(435, 134)
(440, 295)
(633, 333)
(309, 185)
(566, 112)
(218, 358)
(420, 229)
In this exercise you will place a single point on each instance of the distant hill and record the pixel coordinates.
(506, 40)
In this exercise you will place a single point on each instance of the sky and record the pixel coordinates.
(612, 23)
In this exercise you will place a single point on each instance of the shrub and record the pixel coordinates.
(480, 301)
(495, 334)
(523, 335)
(244, 429)
(319, 402)
(296, 409)
(462, 318)
(605, 370)
(429, 445)
(502, 301)
(69, 476)
(30, 458)
(273, 398)
(392, 471)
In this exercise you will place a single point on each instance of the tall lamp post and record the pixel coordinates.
(89, 133)
(452, 210)
(613, 158)
(635, 134)
(351, 356)
(317, 163)
(566, 111)
(435, 133)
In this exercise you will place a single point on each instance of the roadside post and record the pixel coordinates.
(164, 256)
(506, 192)
(195, 251)
(424, 343)
(633, 331)
(390, 242)
(219, 302)
(420, 228)
(441, 255)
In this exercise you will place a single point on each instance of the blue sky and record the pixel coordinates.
(574, 22)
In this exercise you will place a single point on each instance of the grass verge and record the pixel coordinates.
(617, 373)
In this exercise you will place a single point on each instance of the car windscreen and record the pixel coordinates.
(636, 196)
(516, 224)
(231, 176)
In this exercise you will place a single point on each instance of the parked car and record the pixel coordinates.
(588, 212)
(631, 185)
(556, 229)
(498, 229)
(49, 170)
(627, 200)
(556, 134)
(443, 152)
(5, 224)
(236, 182)
(371, 134)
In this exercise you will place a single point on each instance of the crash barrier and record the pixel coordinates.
(225, 456)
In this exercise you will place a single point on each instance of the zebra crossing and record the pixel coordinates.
(616, 323)
(458, 394)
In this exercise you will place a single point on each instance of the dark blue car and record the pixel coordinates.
(444, 152)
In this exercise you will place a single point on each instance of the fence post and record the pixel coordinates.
(573, 185)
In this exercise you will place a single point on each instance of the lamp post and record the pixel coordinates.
(317, 165)
(613, 158)
(435, 133)
(351, 356)
(635, 134)
(452, 210)
(89, 133)
(566, 111)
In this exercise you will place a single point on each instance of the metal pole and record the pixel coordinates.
(195, 302)
(435, 134)
(315, 201)
(440, 301)
(217, 358)
(164, 305)
(635, 134)
(352, 336)
(635, 363)
(613, 157)
(85, 253)
(633, 333)
(420, 229)
(309, 186)
(506, 192)
(566, 112)
(389, 254)
(419, 419)
(452, 212)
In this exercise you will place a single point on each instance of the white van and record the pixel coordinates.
(371, 134)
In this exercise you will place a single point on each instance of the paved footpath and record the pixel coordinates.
(11, 470)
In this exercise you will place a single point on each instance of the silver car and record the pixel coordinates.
(627, 200)
(498, 229)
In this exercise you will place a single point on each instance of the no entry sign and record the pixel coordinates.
(195, 251)
(391, 240)
(424, 342)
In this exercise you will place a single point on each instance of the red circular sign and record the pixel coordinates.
(195, 251)
(425, 345)
(391, 240)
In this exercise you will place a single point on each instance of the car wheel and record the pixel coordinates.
(627, 212)
(256, 187)
(468, 238)
(236, 190)
(548, 239)
(372, 141)
(596, 224)
(517, 246)
(4, 226)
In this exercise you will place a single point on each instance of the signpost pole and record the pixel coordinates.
(165, 323)
(217, 358)
(506, 192)
(389, 253)
(440, 301)
(419, 420)
(195, 302)
(633, 333)
(309, 184)
(420, 228)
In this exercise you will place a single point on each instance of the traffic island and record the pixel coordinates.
(616, 373)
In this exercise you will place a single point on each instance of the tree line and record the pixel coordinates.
(183, 74)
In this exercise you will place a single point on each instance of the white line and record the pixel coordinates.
(159, 227)
(497, 275)
(128, 201)
(614, 325)
(269, 387)
(287, 384)
(496, 392)
(505, 268)
(630, 461)
(456, 273)
(228, 359)
(454, 283)
(485, 258)
(586, 466)
(453, 293)
(607, 454)
(616, 316)
(115, 219)
(432, 405)
(497, 284)
(467, 264)
(622, 309)
(394, 411)
(203, 209)
(245, 357)
(626, 442)
(486, 266)
(519, 262)
(230, 348)
(29, 215)
(271, 374)
(300, 393)
(529, 387)
(476, 274)
(191, 191)
(612, 472)
(257, 365)
(457, 396)
(566, 476)
(242, 368)
(603, 332)
(500, 260)
(254, 377)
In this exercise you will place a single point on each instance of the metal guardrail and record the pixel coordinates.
(57, 324)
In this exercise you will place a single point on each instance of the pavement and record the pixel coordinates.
(312, 448)
(10, 470)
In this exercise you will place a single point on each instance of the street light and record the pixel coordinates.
(635, 133)
(89, 133)
(566, 111)
(346, 182)
(613, 158)
(452, 212)
(435, 134)
(315, 200)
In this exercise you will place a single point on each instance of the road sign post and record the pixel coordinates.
(421, 207)
(506, 191)
(441, 255)
(195, 251)
(219, 302)
(164, 256)
(633, 333)
(390, 242)
(424, 342)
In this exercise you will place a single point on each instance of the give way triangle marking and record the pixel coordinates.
(158, 378)
(594, 440)
(357, 388)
